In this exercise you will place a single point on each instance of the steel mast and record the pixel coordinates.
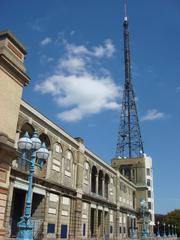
(129, 142)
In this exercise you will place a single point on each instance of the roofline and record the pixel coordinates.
(48, 121)
(59, 129)
(12, 37)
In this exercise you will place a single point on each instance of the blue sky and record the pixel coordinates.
(75, 61)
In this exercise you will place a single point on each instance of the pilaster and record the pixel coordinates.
(45, 224)
(116, 225)
(78, 219)
(72, 223)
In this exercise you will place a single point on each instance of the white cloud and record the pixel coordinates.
(35, 27)
(105, 50)
(72, 32)
(45, 59)
(178, 89)
(79, 86)
(72, 64)
(153, 114)
(46, 41)
(84, 95)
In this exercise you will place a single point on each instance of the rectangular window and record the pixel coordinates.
(63, 231)
(149, 182)
(149, 205)
(84, 229)
(148, 171)
(149, 194)
(111, 229)
(120, 230)
(124, 230)
(51, 228)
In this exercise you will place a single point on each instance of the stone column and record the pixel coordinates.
(103, 182)
(103, 223)
(46, 207)
(97, 175)
(80, 166)
(78, 219)
(96, 222)
(59, 219)
(72, 223)
(8, 210)
(107, 223)
(89, 222)
(116, 224)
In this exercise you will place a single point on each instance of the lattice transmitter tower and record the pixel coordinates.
(129, 143)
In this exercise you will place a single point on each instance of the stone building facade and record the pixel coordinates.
(76, 195)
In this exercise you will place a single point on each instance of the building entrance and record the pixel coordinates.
(17, 211)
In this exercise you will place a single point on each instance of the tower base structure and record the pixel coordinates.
(139, 171)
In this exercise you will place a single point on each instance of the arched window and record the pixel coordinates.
(86, 171)
(68, 160)
(100, 182)
(106, 183)
(58, 148)
(57, 157)
(27, 128)
(45, 139)
(93, 179)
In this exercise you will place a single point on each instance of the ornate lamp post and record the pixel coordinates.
(151, 224)
(158, 232)
(172, 231)
(175, 234)
(40, 153)
(143, 209)
(164, 230)
(169, 231)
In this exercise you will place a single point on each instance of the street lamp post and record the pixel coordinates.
(158, 232)
(169, 232)
(151, 224)
(40, 153)
(175, 231)
(164, 234)
(143, 206)
(172, 234)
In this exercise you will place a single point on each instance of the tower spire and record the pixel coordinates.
(125, 9)
(129, 142)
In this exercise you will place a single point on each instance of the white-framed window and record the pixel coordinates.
(66, 201)
(148, 171)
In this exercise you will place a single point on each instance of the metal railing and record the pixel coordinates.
(37, 229)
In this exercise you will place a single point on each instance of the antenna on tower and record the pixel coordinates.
(125, 10)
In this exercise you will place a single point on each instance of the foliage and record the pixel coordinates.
(172, 218)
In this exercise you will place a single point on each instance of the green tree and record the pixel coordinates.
(174, 219)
